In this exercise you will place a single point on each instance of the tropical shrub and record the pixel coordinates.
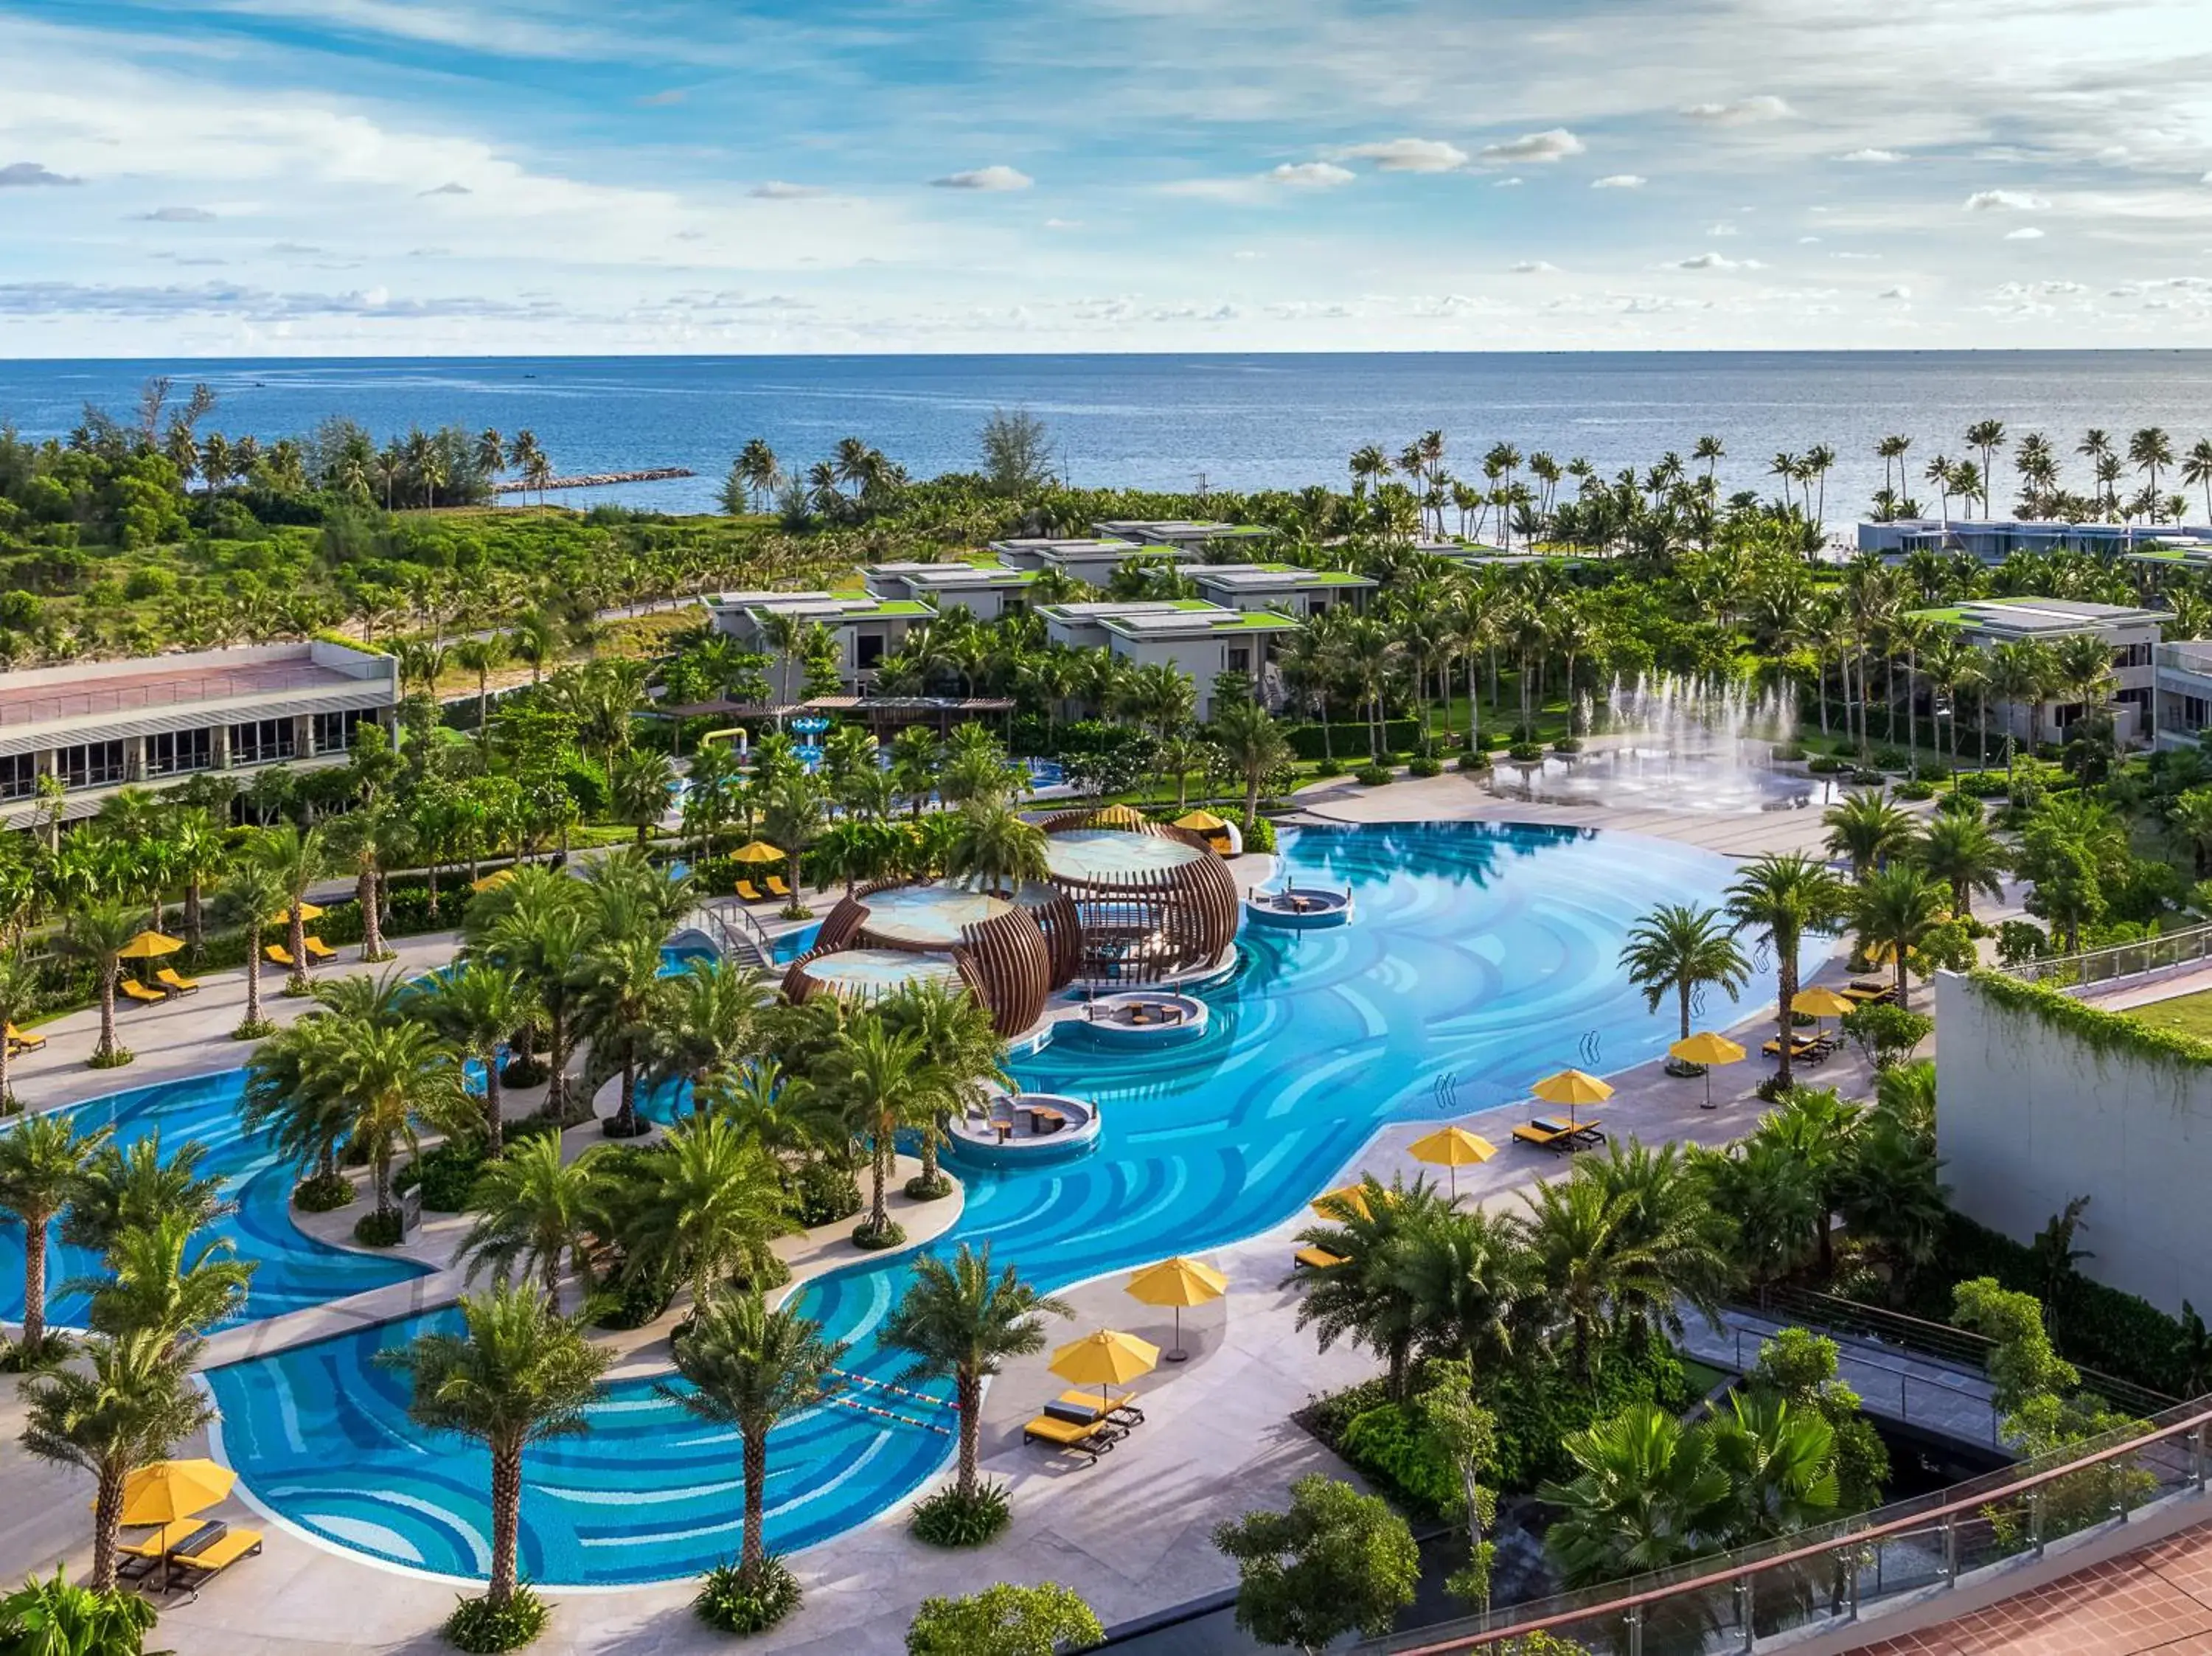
(1004, 1621)
(446, 1173)
(382, 1230)
(1424, 765)
(824, 1193)
(323, 1192)
(1262, 838)
(481, 1626)
(57, 1617)
(734, 1601)
(869, 1239)
(1375, 776)
(1391, 1445)
(948, 1519)
(1525, 753)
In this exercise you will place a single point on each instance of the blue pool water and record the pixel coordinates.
(295, 1270)
(1482, 958)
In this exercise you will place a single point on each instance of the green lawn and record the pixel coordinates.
(1703, 1376)
(2189, 1015)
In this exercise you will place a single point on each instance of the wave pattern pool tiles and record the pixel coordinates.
(1484, 957)
(296, 1270)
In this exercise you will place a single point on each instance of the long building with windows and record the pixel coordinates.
(96, 726)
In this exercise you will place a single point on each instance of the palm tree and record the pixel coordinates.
(483, 656)
(1663, 1216)
(757, 470)
(1892, 910)
(1464, 1274)
(154, 1280)
(620, 997)
(20, 997)
(1867, 828)
(1783, 897)
(532, 1210)
(518, 1373)
(100, 934)
(2148, 450)
(1819, 1131)
(372, 840)
(958, 1319)
(540, 929)
(2197, 470)
(748, 1368)
(297, 860)
(398, 1078)
(1681, 946)
(1960, 850)
(134, 1403)
(1779, 1459)
(250, 892)
(1255, 747)
(1367, 1299)
(1646, 1496)
(44, 1163)
(710, 1024)
(639, 787)
(882, 1082)
(479, 1006)
(135, 1186)
(991, 842)
(703, 1208)
(960, 1044)
(1987, 436)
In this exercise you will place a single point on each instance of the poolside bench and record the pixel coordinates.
(201, 1565)
(171, 979)
(318, 949)
(134, 989)
(19, 1042)
(1093, 1439)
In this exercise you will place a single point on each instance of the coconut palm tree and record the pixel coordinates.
(369, 840)
(703, 1207)
(298, 859)
(477, 1006)
(1960, 851)
(1255, 747)
(537, 926)
(518, 1373)
(1867, 828)
(1783, 897)
(483, 656)
(748, 1367)
(250, 893)
(959, 1319)
(98, 934)
(44, 1164)
(958, 1042)
(619, 998)
(2197, 470)
(710, 1025)
(1893, 909)
(1681, 947)
(531, 1211)
(882, 1081)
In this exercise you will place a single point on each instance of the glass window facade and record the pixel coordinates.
(175, 751)
(261, 742)
(90, 764)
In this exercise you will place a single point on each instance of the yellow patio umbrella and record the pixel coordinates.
(311, 912)
(1332, 1205)
(1453, 1148)
(1177, 1282)
(758, 851)
(493, 881)
(1706, 1049)
(1106, 1358)
(1201, 821)
(1571, 1087)
(167, 1490)
(150, 946)
(1818, 1004)
(1118, 816)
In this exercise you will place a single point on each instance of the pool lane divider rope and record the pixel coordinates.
(889, 1413)
(907, 1391)
(901, 1391)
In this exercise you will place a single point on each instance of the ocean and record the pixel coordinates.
(1183, 421)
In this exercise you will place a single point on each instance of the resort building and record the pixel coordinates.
(1281, 586)
(1992, 540)
(985, 590)
(865, 629)
(1090, 562)
(1201, 639)
(2132, 634)
(1198, 536)
(101, 725)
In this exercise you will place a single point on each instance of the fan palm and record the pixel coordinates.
(532, 1210)
(959, 1319)
(748, 1367)
(1648, 1495)
(1784, 897)
(1779, 1461)
(1681, 947)
(44, 1163)
(133, 1402)
(518, 1373)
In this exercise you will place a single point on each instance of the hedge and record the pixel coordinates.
(1350, 741)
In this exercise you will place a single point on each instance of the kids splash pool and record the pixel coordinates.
(1484, 953)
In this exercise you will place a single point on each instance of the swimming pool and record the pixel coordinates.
(1483, 957)
(296, 1270)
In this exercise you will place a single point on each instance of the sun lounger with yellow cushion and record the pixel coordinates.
(171, 979)
(23, 1043)
(318, 949)
(750, 892)
(276, 954)
(134, 989)
(776, 886)
(1078, 1405)
(141, 1556)
(1317, 1258)
(1544, 1138)
(194, 1570)
(1093, 1439)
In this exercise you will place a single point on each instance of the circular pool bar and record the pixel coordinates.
(1299, 907)
(1135, 1019)
(1027, 1130)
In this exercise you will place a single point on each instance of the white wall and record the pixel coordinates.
(2028, 1118)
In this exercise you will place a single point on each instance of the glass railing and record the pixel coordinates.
(2127, 960)
(1833, 1575)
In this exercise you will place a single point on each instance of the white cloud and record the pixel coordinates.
(1311, 175)
(2025, 233)
(1408, 156)
(1808, 241)
(1506, 184)
(1763, 107)
(24, 175)
(780, 189)
(1619, 181)
(2000, 201)
(1553, 144)
(1534, 267)
(1872, 157)
(1723, 228)
(1063, 224)
(177, 216)
(993, 178)
(1717, 262)
(1898, 292)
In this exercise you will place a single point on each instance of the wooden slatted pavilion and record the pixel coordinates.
(1152, 901)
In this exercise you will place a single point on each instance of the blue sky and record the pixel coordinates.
(449, 176)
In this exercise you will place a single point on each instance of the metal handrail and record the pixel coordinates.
(1938, 1512)
(166, 691)
(732, 939)
(2118, 961)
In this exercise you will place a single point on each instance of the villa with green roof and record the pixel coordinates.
(1199, 537)
(1090, 562)
(1199, 639)
(1294, 591)
(866, 627)
(985, 590)
(2131, 633)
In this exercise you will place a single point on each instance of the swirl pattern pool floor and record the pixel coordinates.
(1483, 956)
